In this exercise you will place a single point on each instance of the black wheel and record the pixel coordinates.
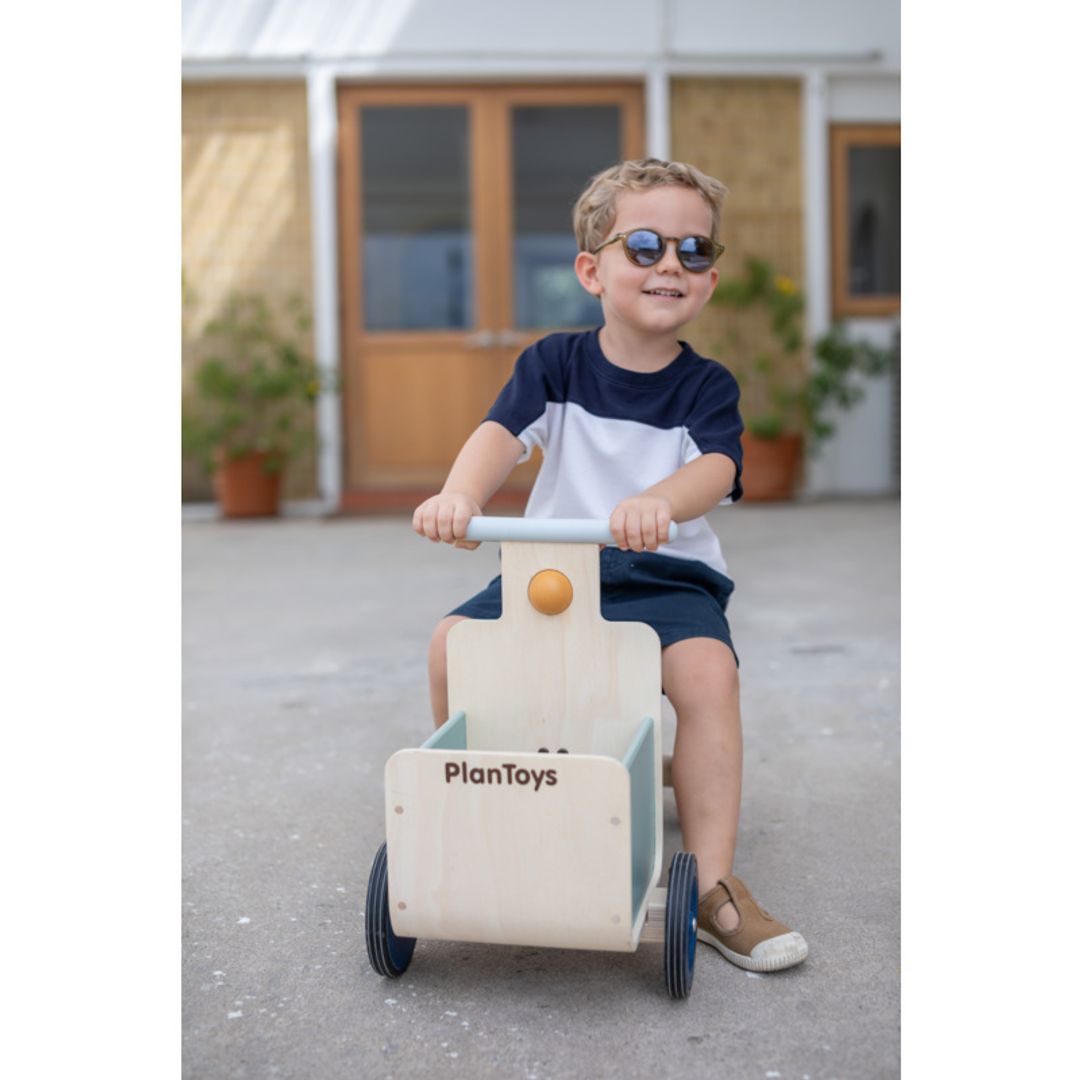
(388, 953)
(680, 924)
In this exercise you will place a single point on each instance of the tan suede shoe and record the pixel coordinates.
(759, 942)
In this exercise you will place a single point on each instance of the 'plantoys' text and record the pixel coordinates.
(513, 775)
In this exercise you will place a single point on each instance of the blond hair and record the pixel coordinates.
(594, 212)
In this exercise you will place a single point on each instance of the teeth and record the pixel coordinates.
(664, 292)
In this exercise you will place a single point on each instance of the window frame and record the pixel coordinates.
(843, 137)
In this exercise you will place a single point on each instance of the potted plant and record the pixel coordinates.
(250, 410)
(785, 404)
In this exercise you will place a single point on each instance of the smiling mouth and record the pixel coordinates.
(674, 293)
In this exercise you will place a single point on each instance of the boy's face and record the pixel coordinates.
(659, 299)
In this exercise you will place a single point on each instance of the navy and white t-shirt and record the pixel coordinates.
(608, 433)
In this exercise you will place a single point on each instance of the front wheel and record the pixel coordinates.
(388, 953)
(680, 924)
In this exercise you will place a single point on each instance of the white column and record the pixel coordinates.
(658, 112)
(322, 148)
(816, 262)
(815, 138)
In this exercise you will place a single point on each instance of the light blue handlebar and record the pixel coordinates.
(546, 530)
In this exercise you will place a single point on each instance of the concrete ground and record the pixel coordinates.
(304, 669)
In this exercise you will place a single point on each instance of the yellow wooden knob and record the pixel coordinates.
(550, 592)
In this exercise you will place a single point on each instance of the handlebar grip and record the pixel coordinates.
(546, 530)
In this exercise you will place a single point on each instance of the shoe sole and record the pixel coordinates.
(787, 951)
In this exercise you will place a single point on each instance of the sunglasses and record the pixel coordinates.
(646, 247)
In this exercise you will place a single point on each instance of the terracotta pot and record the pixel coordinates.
(246, 487)
(770, 467)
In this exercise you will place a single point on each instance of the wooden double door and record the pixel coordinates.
(457, 251)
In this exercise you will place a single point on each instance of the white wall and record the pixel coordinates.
(872, 99)
(553, 29)
(858, 459)
(827, 28)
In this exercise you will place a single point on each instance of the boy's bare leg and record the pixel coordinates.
(440, 707)
(702, 684)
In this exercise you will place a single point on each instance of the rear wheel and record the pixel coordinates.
(680, 924)
(388, 953)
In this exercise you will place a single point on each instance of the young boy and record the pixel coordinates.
(637, 428)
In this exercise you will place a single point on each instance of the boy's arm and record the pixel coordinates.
(480, 469)
(640, 523)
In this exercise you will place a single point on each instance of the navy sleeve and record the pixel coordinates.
(521, 406)
(714, 425)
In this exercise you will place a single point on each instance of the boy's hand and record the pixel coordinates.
(641, 522)
(445, 517)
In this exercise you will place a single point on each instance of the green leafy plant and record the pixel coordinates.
(254, 392)
(780, 394)
(836, 359)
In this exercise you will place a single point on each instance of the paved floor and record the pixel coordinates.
(304, 669)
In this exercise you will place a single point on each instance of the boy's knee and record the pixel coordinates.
(703, 670)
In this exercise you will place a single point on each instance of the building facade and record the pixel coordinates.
(408, 167)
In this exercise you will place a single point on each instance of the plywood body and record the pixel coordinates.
(500, 861)
(572, 680)
(567, 855)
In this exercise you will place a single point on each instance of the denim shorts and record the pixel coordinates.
(678, 598)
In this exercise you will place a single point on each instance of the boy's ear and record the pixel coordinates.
(587, 270)
(714, 277)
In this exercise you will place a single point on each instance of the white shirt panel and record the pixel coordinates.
(636, 456)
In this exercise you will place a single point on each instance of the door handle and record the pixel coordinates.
(494, 339)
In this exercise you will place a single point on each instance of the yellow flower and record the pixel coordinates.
(784, 284)
(313, 388)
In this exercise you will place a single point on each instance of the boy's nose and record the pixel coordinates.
(669, 260)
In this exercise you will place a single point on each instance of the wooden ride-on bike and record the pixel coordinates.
(534, 815)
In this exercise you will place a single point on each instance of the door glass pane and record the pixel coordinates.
(556, 150)
(417, 247)
(874, 220)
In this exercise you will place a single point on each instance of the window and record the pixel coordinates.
(417, 244)
(556, 148)
(865, 219)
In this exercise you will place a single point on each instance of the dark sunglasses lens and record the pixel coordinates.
(697, 253)
(644, 247)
